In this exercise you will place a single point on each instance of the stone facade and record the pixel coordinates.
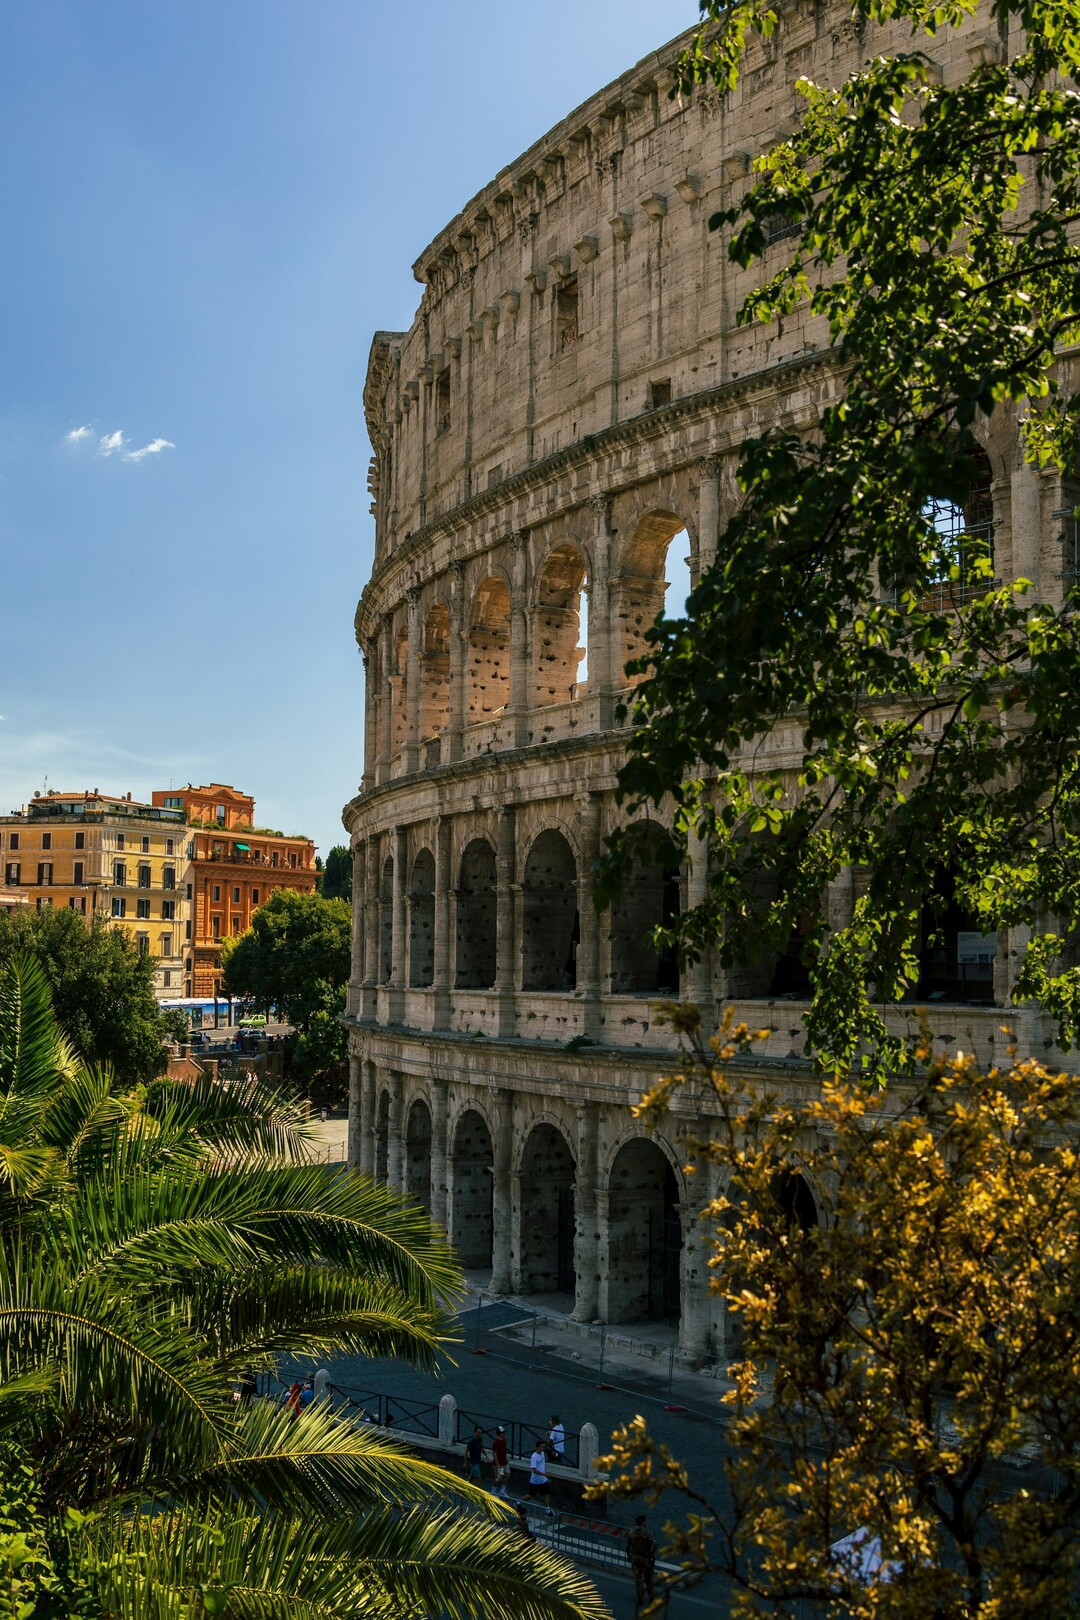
(571, 397)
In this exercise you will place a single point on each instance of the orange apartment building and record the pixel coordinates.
(233, 867)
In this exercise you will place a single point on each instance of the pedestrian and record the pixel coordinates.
(556, 1439)
(292, 1399)
(307, 1395)
(500, 1463)
(538, 1480)
(474, 1454)
(321, 1384)
(522, 1526)
(641, 1549)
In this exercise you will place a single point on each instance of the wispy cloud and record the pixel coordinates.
(77, 435)
(110, 443)
(152, 449)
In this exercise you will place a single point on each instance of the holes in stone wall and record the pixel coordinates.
(644, 1236)
(488, 686)
(422, 921)
(435, 674)
(550, 923)
(472, 1223)
(558, 652)
(476, 915)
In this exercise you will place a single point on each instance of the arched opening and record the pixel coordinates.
(488, 687)
(418, 1154)
(476, 917)
(546, 1244)
(797, 1203)
(651, 898)
(435, 674)
(956, 959)
(422, 921)
(399, 707)
(655, 578)
(644, 1236)
(962, 540)
(382, 1136)
(557, 628)
(550, 924)
(386, 922)
(473, 1191)
(791, 974)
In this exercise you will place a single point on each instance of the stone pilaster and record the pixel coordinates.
(367, 1118)
(371, 744)
(501, 1258)
(519, 637)
(588, 958)
(371, 933)
(602, 677)
(458, 656)
(439, 1115)
(586, 1216)
(356, 964)
(386, 701)
(412, 683)
(356, 1104)
(441, 978)
(708, 516)
(395, 1156)
(505, 932)
(397, 928)
(696, 980)
(695, 1315)
(1026, 518)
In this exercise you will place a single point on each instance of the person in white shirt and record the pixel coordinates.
(538, 1480)
(556, 1439)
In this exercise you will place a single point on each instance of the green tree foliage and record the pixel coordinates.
(294, 956)
(931, 704)
(156, 1244)
(103, 990)
(336, 881)
(902, 1269)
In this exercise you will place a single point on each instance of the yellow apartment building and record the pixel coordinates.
(113, 857)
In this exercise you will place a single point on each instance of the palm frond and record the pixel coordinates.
(240, 1113)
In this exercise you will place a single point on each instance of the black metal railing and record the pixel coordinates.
(521, 1437)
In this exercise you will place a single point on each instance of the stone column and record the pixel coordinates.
(519, 637)
(395, 1157)
(696, 980)
(356, 1106)
(359, 898)
(412, 683)
(1026, 503)
(695, 1315)
(603, 1310)
(439, 1111)
(367, 1117)
(503, 1149)
(505, 939)
(455, 730)
(603, 677)
(441, 976)
(397, 929)
(370, 726)
(708, 516)
(588, 958)
(368, 1005)
(586, 1215)
(386, 700)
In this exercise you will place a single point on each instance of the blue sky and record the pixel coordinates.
(208, 208)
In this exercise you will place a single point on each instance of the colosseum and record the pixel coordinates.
(554, 436)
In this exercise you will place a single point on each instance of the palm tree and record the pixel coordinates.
(155, 1245)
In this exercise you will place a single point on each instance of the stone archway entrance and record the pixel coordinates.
(644, 1237)
(418, 1154)
(472, 1191)
(546, 1215)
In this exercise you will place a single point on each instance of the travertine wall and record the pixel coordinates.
(571, 399)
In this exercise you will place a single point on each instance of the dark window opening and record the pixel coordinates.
(442, 401)
(962, 543)
(566, 312)
(659, 394)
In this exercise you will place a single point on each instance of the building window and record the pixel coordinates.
(188, 889)
(273, 858)
(144, 874)
(166, 979)
(143, 942)
(187, 929)
(236, 896)
(44, 873)
(566, 312)
(77, 872)
(12, 874)
(219, 814)
(292, 860)
(191, 849)
(168, 877)
(119, 872)
(80, 840)
(166, 945)
(13, 841)
(169, 846)
(142, 910)
(215, 927)
(119, 840)
(659, 394)
(168, 910)
(442, 401)
(119, 906)
(254, 897)
(236, 925)
(216, 895)
(78, 903)
(173, 803)
(46, 840)
(145, 844)
(43, 902)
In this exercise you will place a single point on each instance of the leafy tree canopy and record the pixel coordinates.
(930, 703)
(295, 955)
(337, 878)
(901, 1270)
(102, 989)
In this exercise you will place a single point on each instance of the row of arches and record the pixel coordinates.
(550, 920)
